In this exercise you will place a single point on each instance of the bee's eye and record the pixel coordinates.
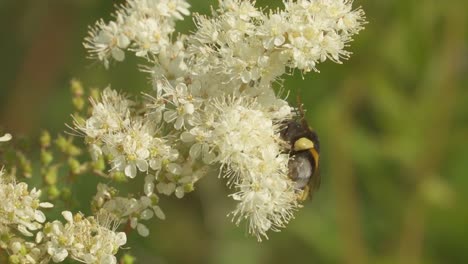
(303, 144)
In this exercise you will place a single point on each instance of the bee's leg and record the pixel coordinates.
(303, 194)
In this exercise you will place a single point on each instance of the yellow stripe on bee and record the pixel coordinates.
(303, 144)
(315, 155)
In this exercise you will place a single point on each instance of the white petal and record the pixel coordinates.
(143, 153)
(189, 109)
(179, 123)
(118, 54)
(170, 116)
(145, 201)
(78, 246)
(133, 222)
(121, 239)
(279, 40)
(123, 41)
(130, 170)
(174, 168)
(24, 231)
(39, 216)
(246, 77)
(173, 154)
(179, 192)
(58, 255)
(159, 213)
(149, 188)
(39, 237)
(95, 151)
(141, 53)
(142, 230)
(147, 214)
(185, 180)
(104, 37)
(209, 157)
(195, 150)
(142, 165)
(108, 259)
(46, 205)
(15, 247)
(155, 164)
(89, 258)
(166, 188)
(187, 137)
(68, 216)
(5, 137)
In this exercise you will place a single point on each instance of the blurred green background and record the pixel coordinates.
(393, 123)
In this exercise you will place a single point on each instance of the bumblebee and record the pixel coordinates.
(303, 164)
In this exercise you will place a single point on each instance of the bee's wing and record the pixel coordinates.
(316, 178)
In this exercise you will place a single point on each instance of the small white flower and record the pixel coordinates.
(135, 148)
(110, 115)
(184, 103)
(200, 147)
(273, 31)
(6, 137)
(108, 41)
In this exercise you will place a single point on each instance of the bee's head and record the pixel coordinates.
(292, 131)
(300, 136)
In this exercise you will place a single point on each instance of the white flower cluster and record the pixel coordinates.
(88, 240)
(130, 140)
(20, 211)
(213, 106)
(83, 239)
(246, 140)
(20, 208)
(143, 26)
(132, 209)
(241, 45)
(237, 135)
